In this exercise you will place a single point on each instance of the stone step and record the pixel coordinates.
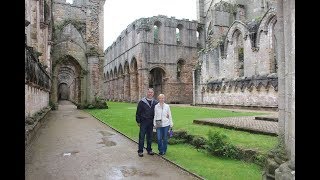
(265, 118)
(256, 131)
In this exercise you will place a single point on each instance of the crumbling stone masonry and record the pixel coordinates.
(237, 66)
(38, 28)
(63, 55)
(157, 52)
(77, 50)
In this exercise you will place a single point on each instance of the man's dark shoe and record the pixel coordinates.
(151, 153)
(140, 154)
(161, 153)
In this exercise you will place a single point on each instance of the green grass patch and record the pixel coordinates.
(121, 116)
(211, 167)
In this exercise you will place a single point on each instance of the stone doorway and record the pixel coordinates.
(156, 81)
(63, 91)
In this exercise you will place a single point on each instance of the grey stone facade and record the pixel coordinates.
(150, 53)
(237, 65)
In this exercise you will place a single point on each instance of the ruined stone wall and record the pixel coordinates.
(38, 29)
(88, 12)
(230, 33)
(79, 38)
(138, 42)
(253, 8)
(38, 40)
(63, 11)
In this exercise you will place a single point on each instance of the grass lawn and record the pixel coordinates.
(211, 167)
(183, 119)
(121, 116)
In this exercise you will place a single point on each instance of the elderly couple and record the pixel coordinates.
(150, 113)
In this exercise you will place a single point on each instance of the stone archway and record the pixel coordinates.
(134, 81)
(156, 77)
(67, 80)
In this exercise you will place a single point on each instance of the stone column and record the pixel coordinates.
(285, 34)
(54, 89)
(116, 89)
(93, 83)
(112, 89)
(121, 88)
(143, 82)
(83, 90)
(109, 89)
(200, 11)
(126, 87)
(134, 86)
(193, 88)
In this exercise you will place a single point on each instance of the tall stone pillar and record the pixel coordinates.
(112, 89)
(109, 84)
(116, 89)
(286, 11)
(121, 87)
(83, 89)
(200, 11)
(126, 87)
(193, 88)
(134, 86)
(285, 34)
(54, 89)
(143, 82)
(93, 83)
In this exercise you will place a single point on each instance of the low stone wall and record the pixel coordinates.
(260, 91)
(33, 123)
(35, 100)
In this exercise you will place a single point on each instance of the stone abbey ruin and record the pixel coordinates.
(238, 53)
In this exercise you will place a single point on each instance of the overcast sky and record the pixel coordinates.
(118, 14)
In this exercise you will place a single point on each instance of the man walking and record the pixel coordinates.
(144, 118)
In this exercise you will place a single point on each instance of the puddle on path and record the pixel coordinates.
(107, 142)
(124, 171)
(106, 133)
(81, 117)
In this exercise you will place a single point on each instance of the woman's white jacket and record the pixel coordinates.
(161, 113)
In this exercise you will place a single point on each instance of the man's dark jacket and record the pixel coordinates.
(145, 112)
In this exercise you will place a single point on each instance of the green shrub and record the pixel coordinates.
(181, 134)
(100, 103)
(199, 142)
(260, 159)
(175, 141)
(90, 106)
(219, 145)
(52, 105)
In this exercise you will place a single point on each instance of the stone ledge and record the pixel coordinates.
(31, 129)
(239, 106)
(233, 127)
(274, 119)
